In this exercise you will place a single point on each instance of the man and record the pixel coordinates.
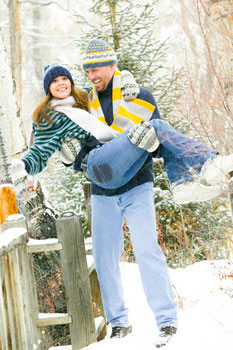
(134, 201)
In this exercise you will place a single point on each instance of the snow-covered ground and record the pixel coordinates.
(204, 293)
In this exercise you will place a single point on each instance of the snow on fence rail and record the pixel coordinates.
(20, 320)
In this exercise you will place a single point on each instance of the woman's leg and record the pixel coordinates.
(116, 162)
(183, 157)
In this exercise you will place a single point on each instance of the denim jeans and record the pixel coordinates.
(108, 212)
(116, 162)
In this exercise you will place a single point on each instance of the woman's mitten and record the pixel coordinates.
(19, 177)
(69, 150)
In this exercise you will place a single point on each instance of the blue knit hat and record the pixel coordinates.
(53, 71)
(98, 54)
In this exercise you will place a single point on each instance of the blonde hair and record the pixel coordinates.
(41, 111)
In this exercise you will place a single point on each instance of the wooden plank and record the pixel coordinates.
(11, 331)
(76, 280)
(14, 220)
(3, 309)
(43, 245)
(53, 319)
(33, 300)
(27, 285)
(97, 303)
(29, 299)
(12, 238)
(17, 300)
(87, 196)
(62, 347)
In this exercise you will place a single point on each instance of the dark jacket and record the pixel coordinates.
(145, 174)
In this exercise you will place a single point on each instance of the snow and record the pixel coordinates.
(42, 315)
(33, 242)
(6, 185)
(10, 235)
(15, 217)
(204, 294)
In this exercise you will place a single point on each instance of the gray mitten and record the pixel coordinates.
(69, 150)
(129, 87)
(144, 136)
(19, 176)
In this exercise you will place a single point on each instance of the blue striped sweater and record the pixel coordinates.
(49, 138)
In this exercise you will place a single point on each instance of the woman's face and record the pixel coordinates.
(60, 87)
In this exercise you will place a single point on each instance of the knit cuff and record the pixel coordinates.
(78, 160)
(87, 146)
(27, 167)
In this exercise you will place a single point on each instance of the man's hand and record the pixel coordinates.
(129, 87)
(144, 136)
(69, 150)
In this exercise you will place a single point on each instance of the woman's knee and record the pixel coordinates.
(159, 123)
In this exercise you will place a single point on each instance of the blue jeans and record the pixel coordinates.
(108, 212)
(115, 163)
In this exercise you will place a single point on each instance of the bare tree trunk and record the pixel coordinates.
(5, 139)
(15, 43)
(7, 196)
(13, 132)
(231, 194)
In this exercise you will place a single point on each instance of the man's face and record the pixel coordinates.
(100, 76)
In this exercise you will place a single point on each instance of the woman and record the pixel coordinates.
(62, 122)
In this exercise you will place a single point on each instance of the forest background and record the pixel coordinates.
(181, 50)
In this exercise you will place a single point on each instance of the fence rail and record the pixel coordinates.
(20, 319)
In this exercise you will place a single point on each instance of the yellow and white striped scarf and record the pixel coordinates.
(125, 114)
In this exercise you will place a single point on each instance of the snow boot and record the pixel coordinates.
(216, 169)
(120, 332)
(194, 191)
(165, 334)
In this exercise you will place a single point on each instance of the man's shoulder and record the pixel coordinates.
(146, 95)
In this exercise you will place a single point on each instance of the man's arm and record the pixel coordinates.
(147, 96)
(143, 134)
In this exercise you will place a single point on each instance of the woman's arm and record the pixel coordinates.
(37, 157)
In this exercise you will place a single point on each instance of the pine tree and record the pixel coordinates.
(128, 27)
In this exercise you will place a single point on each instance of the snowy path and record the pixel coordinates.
(205, 312)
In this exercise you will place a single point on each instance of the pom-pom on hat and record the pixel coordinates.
(53, 71)
(98, 54)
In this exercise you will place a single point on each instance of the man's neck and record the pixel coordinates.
(105, 99)
(108, 89)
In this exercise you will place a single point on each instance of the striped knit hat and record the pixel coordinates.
(53, 71)
(98, 54)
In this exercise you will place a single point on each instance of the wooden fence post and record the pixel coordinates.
(98, 307)
(8, 204)
(87, 196)
(76, 280)
(231, 193)
(19, 276)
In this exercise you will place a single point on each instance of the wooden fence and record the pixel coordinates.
(20, 319)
